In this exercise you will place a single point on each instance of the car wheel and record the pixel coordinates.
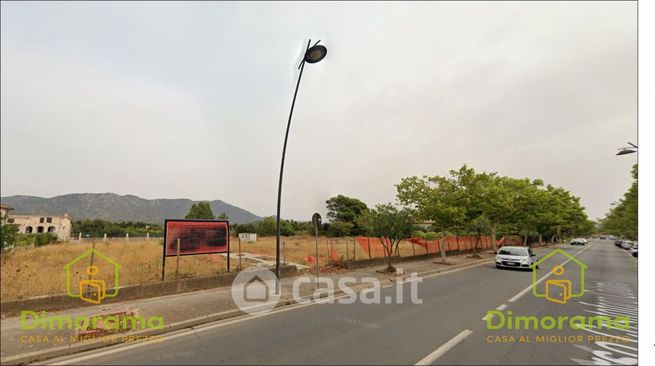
(497, 266)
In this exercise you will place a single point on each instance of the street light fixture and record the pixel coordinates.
(628, 150)
(313, 55)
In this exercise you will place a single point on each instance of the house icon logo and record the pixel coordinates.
(92, 290)
(559, 289)
(253, 290)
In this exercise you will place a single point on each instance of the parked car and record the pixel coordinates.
(633, 250)
(618, 242)
(578, 241)
(626, 244)
(515, 257)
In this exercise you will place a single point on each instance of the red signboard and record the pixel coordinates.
(196, 237)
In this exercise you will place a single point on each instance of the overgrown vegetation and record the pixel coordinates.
(97, 228)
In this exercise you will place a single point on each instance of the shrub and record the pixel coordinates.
(431, 235)
(44, 238)
(8, 235)
(418, 234)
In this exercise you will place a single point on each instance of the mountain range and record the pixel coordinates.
(114, 207)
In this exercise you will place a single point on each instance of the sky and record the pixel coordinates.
(191, 100)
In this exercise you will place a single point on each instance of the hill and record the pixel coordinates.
(113, 207)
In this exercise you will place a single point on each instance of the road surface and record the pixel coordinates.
(447, 328)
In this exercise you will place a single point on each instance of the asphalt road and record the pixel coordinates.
(447, 328)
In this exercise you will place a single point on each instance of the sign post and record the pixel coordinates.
(316, 220)
(192, 237)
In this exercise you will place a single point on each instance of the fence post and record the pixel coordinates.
(104, 238)
(177, 261)
(413, 250)
(148, 236)
(347, 254)
(240, 254)
(127, 236)
(79, 237)
(354, 250)
(93, 246)
(369, 247)
(284, 249)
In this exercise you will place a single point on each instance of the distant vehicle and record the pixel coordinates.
(618, 242)
(633, 250)
(602, 237)
(515, 257)
(626, 244)
(578, 241)
(612, 237)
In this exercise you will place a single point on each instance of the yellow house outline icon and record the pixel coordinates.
(68, 265)
(582, 266)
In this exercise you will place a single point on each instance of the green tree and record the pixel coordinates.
(390, 225)
(345, 210)
(223, 216)
(199, 211)
(470, 202)
(339, 228)
(622, 219)
(8, 235)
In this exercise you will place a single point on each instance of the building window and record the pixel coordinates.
(41, 220)
(39, 229)
(10, 221)
(28, 230)
(51, 229)
(48, 220)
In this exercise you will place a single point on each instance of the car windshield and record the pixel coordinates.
(513, 251)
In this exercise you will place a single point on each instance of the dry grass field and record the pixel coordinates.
(30, 272)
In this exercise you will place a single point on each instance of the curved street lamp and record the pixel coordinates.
(628, 150)
(313, 55)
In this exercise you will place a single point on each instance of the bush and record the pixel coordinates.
(418, 234)
(431, 235)
(37, 240)
(8, 234)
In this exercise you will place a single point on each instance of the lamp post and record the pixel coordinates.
(312, 55)
(628, 150)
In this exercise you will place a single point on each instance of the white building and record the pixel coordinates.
(56, 224)
(4, 213)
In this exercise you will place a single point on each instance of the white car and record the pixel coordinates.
(626, 244)
(515, 257)
(579, 241)
(634, 250)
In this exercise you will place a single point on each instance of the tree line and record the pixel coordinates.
(98, 228)
(622, 218)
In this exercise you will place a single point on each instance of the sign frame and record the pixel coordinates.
(163, 257)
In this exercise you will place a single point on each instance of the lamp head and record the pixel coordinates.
(315, 54)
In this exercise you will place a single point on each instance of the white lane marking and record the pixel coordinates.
(500, 308)
(529, 288)
(429, 359)
(122, 347)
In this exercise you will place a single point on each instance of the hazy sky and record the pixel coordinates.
(191, 100)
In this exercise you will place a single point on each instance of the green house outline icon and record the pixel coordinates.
(68, 265)
(583, 267)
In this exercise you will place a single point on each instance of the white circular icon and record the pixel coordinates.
(253, 290)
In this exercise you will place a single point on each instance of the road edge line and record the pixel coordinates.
(429, 359)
